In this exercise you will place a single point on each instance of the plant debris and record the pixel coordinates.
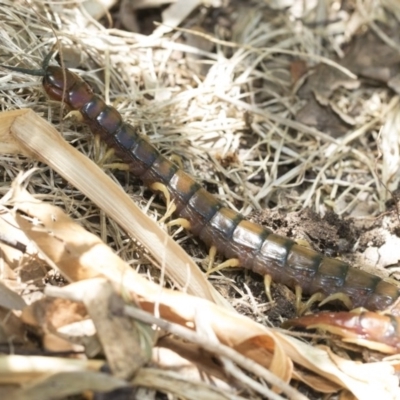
(286, 110)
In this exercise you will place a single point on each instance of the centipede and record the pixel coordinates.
(253, 246)
(369, 329)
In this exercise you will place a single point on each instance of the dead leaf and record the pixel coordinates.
(321, 118)
(9, 299)
(324, 81)
(127, 343)
(372, 58)
(175, 14)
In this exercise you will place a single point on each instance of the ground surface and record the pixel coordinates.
(287, 111)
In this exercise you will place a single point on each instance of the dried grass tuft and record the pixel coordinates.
(228, 114)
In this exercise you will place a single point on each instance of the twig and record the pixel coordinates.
(9, 241)
(221, 350)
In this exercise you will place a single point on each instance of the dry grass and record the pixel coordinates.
(227, 112)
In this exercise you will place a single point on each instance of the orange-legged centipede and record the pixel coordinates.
(256, 247)
(369, 329)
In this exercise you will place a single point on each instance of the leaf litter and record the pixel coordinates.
(231, 106)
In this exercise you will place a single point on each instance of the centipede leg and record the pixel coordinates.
(267, 287)
(177, 160)
(183, 222)
(103, 157)
(231, 263)
(211, 257)
(171, 207)
(321, 299)
(299, 303)
(160, 187)
(74, 116)
(344, 298)
(301, 307)
(115, 165)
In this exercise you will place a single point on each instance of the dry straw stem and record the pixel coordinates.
(42, 378)
(172, 382)
(56, 385)
(21, 369)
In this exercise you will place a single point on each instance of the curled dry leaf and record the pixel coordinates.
(9, 299)
(51, 318)
(80, 255)
(15, 369)
(126, 343)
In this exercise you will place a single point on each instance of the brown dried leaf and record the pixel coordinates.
(324, 81)
(321, 118)
(9, 299)
(127, 343)
(370, 57)
(317, 90)
(12, 330)
(48, 315)
(51, 314)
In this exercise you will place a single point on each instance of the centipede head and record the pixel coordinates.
(56, 80)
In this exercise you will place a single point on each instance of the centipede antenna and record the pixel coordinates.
(34, 72)
(47, 59)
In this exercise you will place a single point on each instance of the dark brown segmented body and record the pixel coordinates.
(257, 248)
